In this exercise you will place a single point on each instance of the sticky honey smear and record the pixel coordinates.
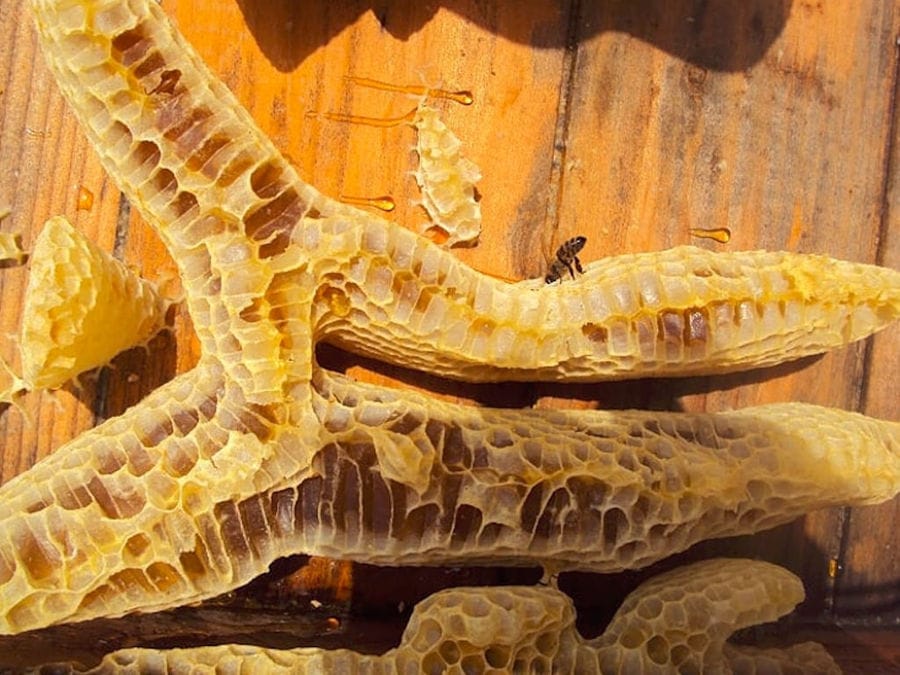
(676, 622)
(82, 307)
(11, 251)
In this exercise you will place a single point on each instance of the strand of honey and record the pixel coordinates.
(385, 203)
(462, 97)
(370, 121)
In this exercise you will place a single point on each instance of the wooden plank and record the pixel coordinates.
(868, 589)
(678, 122)
(627, 122)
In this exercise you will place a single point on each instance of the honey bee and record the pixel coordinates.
(566, 259)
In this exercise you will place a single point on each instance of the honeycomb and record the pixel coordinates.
(447, 179)
(260, 452)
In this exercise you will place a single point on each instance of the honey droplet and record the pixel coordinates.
(85, 199)
(462, 97)
(719, 234)
(385, 203)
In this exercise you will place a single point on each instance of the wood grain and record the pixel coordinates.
(869, 586)
(627, 121)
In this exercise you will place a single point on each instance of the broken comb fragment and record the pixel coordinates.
(82, 307)
(11, 252)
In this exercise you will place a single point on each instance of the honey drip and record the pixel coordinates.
(408, 118)
(462, 97)
(385, 203)
(719, 234)
(85, 199)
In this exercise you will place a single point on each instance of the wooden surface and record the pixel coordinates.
(628, 121)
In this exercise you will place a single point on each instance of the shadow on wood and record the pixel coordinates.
(647, 393)
(718, 35)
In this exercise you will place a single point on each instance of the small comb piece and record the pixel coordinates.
(82, 307)
(385, 122)
(11, 249)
